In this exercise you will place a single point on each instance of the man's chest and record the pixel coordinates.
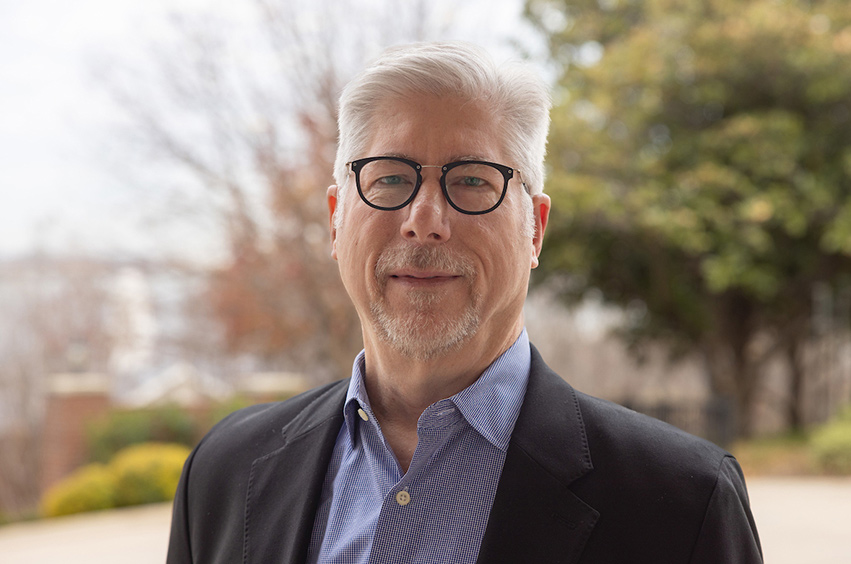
(437, 511)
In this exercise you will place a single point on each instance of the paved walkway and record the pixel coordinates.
(803, 520)
(800, 520)
(137, 535)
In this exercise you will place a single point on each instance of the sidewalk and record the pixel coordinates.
(799, 520)
(803, 519)
(136, 535)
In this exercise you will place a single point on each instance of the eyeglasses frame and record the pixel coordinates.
(507, 173)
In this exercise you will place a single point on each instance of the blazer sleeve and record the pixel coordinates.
(728, 533)
(179, 548)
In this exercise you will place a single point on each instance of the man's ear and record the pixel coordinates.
(332, 209)
(541, 205)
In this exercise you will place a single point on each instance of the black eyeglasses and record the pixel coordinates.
(471, 187)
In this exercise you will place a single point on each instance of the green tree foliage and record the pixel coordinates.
(700, 170)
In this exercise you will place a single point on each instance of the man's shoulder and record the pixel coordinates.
(282, 411)
(255, 430)
(620, 438)
(646, 465)
(661, 493)
(615, 431)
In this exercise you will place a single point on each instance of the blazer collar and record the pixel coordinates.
(535, 516)
(285, 485)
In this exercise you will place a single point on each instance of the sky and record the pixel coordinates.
(56, 192)
(62, 187)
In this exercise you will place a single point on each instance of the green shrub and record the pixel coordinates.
(844, 415)
(788, 454)
(147, 473)
(143, 473)
(120, 429)
(90, 488)
(831, 445)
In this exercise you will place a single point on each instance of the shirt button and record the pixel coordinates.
(403, 498)
(363, 414)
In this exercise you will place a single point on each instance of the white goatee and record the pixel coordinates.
(421, 331)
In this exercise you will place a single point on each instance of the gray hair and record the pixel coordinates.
(518, 97)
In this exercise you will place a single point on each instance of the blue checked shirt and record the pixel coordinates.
(437, 512)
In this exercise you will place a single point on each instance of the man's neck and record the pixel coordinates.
(401, 388)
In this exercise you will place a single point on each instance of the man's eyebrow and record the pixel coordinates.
(470, 158)
(451, 159)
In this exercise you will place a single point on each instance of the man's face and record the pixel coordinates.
(426, 279)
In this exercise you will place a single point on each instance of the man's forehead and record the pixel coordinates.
(425, 124)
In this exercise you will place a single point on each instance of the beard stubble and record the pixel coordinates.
(424, 330)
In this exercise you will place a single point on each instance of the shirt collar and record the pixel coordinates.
(490, 405)
(356, 397)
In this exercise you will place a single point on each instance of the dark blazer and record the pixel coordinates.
(584, 481)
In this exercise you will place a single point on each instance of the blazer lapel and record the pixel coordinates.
(285, 486)
(535, 516)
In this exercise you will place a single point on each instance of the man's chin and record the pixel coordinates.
(424, 335)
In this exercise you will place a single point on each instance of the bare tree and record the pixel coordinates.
(53, 320)
(250, 112)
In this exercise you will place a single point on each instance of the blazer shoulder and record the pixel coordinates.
(209, 519)
(615, 436)
(652, 486)
(650, 477)
(260, 424)
(616, 431)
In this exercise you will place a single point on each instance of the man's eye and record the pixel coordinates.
(391, 180)
(467, 182)
(472, 181)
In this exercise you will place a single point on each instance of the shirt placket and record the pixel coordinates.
(401, 515)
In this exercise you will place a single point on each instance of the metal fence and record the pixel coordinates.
(713, 419)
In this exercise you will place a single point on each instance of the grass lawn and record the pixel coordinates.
(784, 455)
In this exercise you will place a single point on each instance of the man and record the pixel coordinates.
(452, 441)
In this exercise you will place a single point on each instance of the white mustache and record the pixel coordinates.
(422, 258)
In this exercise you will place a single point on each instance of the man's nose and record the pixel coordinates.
(427, 219)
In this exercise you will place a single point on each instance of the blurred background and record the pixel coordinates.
(164, 255)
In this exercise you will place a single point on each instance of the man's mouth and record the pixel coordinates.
(421, 267)
(423, 277)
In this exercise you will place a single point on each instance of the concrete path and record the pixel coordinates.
(137, 535)
(799, 519)
(802, 520)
